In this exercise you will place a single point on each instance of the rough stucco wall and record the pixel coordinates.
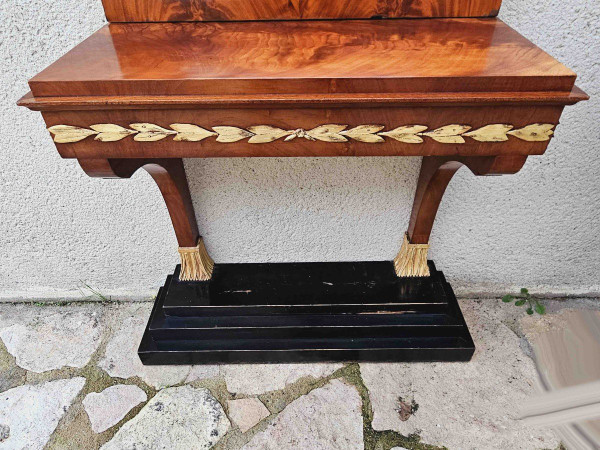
(60, 229)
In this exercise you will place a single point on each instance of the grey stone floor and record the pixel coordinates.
(70, 378)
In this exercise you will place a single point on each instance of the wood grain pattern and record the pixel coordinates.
(456, 91)
(436, 172)
(263, 134)
(224, 10)
(169, 175)
(311, 57)
(373, 100)
(298, 118)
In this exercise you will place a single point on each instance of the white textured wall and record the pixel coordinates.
(59, 228)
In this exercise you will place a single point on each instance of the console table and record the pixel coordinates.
(173, 79)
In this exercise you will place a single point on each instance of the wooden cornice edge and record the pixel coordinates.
(302, 100)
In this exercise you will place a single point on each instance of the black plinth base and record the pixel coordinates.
(306, 312)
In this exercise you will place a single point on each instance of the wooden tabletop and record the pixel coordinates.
(308, 57)
(226, 10)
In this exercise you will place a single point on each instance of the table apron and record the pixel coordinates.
(292, 132)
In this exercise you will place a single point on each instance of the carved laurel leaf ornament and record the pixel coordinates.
(407, 134)
(107, 132)
(333, 133)
(490, 133)
(231, 134)
(66, 133)
(535, 132)
(191, 133)
(449, 134)
(148, 132)
(266, 133)
(365, 133)
(327, 133)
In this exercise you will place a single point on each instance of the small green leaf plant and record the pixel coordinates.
(533, 304)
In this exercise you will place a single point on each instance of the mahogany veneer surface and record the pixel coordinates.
(216, 10)
(358, 56)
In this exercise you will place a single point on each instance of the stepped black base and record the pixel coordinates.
(306, 312)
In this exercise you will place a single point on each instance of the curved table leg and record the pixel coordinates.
(436, 173)
(169, 175)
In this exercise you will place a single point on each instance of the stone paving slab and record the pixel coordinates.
(120, 356)
(256, 379)
(328, 417)
(108, 407)
(183, 416)
(461, 405)
(48, 339)
(29, 414)
(247, 412)
(63, 370)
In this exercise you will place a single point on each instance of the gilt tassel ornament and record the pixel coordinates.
(411, 260)
(196, 264)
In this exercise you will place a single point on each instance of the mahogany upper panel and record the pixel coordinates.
(307, 57)
(227, 10)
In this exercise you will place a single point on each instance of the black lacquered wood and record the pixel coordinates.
(308, 288)
(361, 312)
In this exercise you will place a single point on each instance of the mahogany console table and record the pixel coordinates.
(173, 79)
